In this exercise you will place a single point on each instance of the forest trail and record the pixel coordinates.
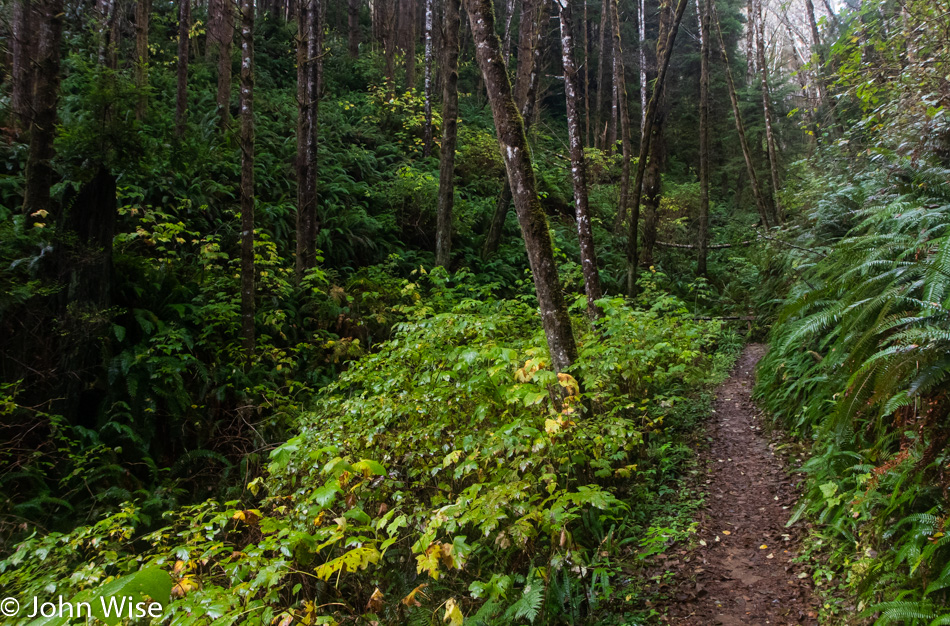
(744, 573)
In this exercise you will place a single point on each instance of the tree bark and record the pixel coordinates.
(247, 178)
(533, 13)
(143, 9)
(702, 11)
(600, 130)
(353, 19)
(23, 49)
(427, 81)
(663, 62)
(387, 32)
(407, 36)
(307, 97)
(221, 36)
(740, 127)
(39, 172)
(642, 29)
(625, 132)
(517, 156)
(750, 41)
(585, 233)
(586, 65)
(776, 214)
(506, 42)
(184, 30)
(446, 201)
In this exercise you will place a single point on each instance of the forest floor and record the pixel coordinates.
(742, 570)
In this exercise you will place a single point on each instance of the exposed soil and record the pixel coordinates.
(741, 572)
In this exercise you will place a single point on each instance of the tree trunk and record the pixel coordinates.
(306, 166)
(143, 9)
(427, 130)
(750, 41)
(702, 11)
(184, 30)
(585, 233)
(353, 19)
(506, 42)
(446, 202)
(586, 65)
(387, 31)
(221, 36)
(24, 50)
(625, 140)
(776, 214)
(663, 62)
(600, 131)
(642, 29)
(740, 127)
(38, 177)
(514, 148)
(247, 177)
(533, 13)
(407, 36)
(819, 56)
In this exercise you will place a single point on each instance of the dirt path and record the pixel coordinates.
(743, 574)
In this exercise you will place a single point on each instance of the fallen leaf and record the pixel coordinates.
(375, 602)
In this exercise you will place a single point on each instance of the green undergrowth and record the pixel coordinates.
(859, 366)
(450, 474)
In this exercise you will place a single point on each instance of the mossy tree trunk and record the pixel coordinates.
(517, 156)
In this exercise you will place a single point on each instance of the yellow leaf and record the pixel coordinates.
(410, 600)
(375, 603)
(183, 586)
(551, 426)
(763, 547)
(429, 561)
(452, 613)
(726, 532)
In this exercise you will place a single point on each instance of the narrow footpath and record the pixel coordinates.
(741, 570)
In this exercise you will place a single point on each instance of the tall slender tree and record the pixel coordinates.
(585, 233)
(664, 52)
(767, 111)
(642, 56)
(602, 68)
(353, 19)
(506, 42)
(143, 9)
(38, 177)
(533, 14)
(427, 80)
(220, 39)
(514, 148)
(306, 165)
(702, 11)
(247, 177)
(446, 201)
(740, 126)
(407, 39)
(184, 32)
(625, 131)
(23, 47)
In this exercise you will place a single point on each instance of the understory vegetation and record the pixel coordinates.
(858, 361)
